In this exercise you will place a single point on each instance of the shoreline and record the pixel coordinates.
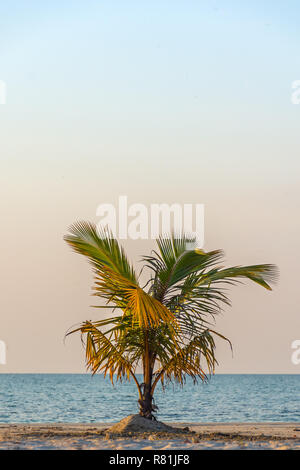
(281, 436)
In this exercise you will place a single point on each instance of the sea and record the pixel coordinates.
(82, 398)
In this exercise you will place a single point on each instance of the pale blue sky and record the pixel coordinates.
(159, 78)
(164, 101)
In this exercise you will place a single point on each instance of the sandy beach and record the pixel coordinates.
(200, 436)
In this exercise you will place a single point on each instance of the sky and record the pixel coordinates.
(165, 102)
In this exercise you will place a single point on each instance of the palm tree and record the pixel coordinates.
(164, 326)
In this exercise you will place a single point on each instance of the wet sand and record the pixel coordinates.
(280, 436)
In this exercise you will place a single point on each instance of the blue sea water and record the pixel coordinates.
(81, 398)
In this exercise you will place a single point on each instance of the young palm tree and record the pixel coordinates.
(164, 326)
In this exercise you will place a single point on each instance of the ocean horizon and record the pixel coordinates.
(82, 398)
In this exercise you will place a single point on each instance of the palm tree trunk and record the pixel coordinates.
(146, 402)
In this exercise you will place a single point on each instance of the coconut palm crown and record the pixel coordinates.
(164, 327)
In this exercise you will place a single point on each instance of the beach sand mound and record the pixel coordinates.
(136, 424)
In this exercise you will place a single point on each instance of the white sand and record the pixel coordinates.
(278, 436)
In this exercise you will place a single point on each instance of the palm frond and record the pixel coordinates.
(262, 274)
(132, 299)
(100, 248)
(115, 278)
(187, 361)
(175, 261)
(103, 355)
